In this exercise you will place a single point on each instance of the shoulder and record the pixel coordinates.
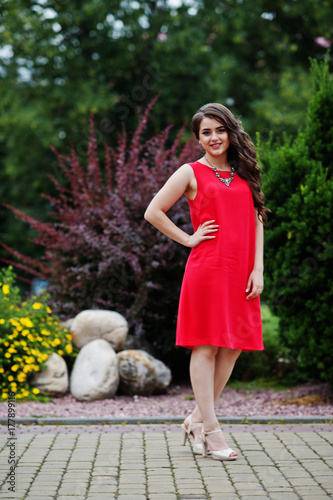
(186, 171)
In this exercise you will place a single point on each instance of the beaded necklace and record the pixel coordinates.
(225, 181)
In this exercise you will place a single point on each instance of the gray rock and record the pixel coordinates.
(95, 372)
(163, 373)
(94, 324)
(139, 343)
(53, 379)
(137, 373)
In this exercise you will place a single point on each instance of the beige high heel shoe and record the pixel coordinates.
(216, 455)
(188, 433)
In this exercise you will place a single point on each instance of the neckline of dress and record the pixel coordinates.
(220, 171)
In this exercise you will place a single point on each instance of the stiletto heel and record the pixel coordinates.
(216, 455)
(188, 432)
(204, 446)
(184, 435)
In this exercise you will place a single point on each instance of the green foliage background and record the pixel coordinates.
(299, 248)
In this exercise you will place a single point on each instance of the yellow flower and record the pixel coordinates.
(48, 309)
(31, 337)
(23, 342)
(7, 355)
(1, 370)
(26, 322)
(26, 369)
(25, 332)
(60, 352)
(15, 368)
(10, 378)
(68, 348)
(37, 305)
(5, 289)
(35, 390)
(14, 322)
(2, 321)
(4, 395)
(21, 377)
(56, 342)
(45, 332)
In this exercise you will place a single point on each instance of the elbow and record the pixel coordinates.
(147, 215)
(152, 215)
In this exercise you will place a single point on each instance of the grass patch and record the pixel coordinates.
(265, 383)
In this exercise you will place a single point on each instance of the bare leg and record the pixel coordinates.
(224, 364)
(210, 370)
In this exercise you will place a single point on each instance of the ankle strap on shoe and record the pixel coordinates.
(212, 432)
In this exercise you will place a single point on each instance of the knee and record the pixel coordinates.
(209, 351)
(231, 353)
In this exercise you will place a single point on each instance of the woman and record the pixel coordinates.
(219, 308)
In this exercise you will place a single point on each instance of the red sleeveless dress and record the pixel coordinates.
(213, 309)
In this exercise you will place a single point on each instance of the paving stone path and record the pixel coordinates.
(140, 462)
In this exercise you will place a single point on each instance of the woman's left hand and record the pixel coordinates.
(255, 284)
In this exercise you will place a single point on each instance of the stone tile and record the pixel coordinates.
(261, 494)
(283, 496)
(127, 497)
(103, 488)
(71, 497)
(161, 496)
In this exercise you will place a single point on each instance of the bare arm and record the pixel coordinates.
(256, 278)
(182, 181)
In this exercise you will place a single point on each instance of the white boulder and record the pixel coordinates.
(53, 379)
(94, 324)
(137, 374)
(95, 372)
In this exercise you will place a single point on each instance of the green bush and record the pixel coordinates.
(29, 334)
(267, 363)
(298, 185)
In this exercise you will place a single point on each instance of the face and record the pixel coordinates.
(213, 137)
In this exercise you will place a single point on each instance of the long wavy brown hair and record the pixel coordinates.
(241, 152)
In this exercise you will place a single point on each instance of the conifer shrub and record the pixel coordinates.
(99, 250)
(29, 334)
(298, 185)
